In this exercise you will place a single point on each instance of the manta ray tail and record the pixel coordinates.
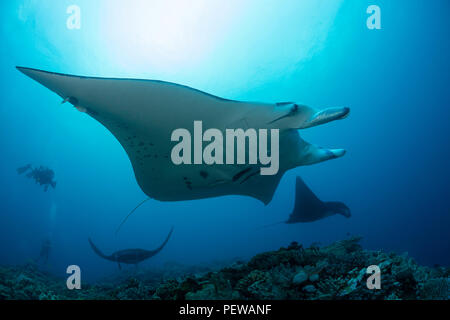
(128, 215)
(97, 251)
(164, 243)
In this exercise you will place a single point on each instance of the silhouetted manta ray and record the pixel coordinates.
(309, 208)
(130, 256)
(142, 114)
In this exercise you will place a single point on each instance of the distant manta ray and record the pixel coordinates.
(309, 208)
(130, 256)
(142, 114)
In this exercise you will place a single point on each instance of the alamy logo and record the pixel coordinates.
(374, 20)
(235, 147)
(374, 280)
(74, 280)
(74, 20)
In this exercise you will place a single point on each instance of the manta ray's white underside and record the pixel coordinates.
(142, 114)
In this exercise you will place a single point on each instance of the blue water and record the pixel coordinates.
(395, 176)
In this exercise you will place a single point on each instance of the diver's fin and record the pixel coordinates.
(23, 169)
(120, 267)
(131, 212)
(46, 187)
(53, 183)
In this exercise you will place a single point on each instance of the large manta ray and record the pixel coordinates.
(142, 114)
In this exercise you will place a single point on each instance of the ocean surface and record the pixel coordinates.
(395, 176)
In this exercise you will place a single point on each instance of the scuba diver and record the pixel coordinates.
(42, 175)
(45, 251)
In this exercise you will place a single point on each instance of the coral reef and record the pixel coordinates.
(337, 271)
